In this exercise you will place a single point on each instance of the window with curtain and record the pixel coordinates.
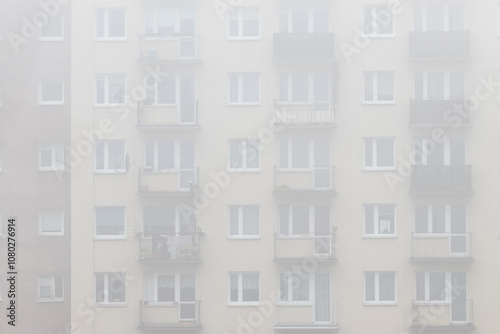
(294, 287)
(244, 288)
(304, 153)
(440, 85)
(50, 288)
(110, 156)
(110, 288)
(110, 89)
(110, 222)
(379, 220)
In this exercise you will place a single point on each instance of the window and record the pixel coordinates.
(110, 89)
(243, 23)
(304, 287)
(110, 222)
(304, 20)
(50, 288)
(169, 22)
(379, 87)
(179, 288)
(380, 288)
(168, 220)
(380, 220)
(53, 30)
(441, 218)
(244, 155)
(304, 153)
(171, 89)
(302, 220)
(110, 157)
(51, 93)
(305, 88)
(243, 88)
(51, 223)
(244, 288)
(379, 154)
(439, 85)
(110, 24)
(244, 221)
(110, 288)
(439, 17)
(441, 286)
(378, 21)
(449, 151)
(50, 158)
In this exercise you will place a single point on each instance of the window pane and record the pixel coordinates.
(370, 286)
(421, 219)
(99, 17)
(300, 219)
(110, 221)
(116, 155)
(368, 86)
(51, 92)
(252, 154)
(438, 219)
(51, 221)
(99, 288)
(385, 152)
(250, 291)
(300, 153)
(166, 288)
(116, 288)
(301, 287)
(233, 88)
(116, 19)
(250, 22)
(385, 86)
(233, 281)
(236, 154)
(116, 89)
(58, 287)
(100, 97)
(387, 284)
(369, 152)
(53, 28)
(384, 20)
(369, 222)
(233, 220)
(386, 219)
(437, 286)
(250, 220)
(284, 219)
(250, 88)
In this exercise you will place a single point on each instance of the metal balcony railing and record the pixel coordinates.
(183, 113)
(305, 113)
(303, 46)
(451, 179)
(158, 48)
(170, 248)
(300, 247)
(439, 112)
(439, 44)
(182, 181)
(169, 315)
(441, 246)
(308, 179)
(306, 315)
(442, 314)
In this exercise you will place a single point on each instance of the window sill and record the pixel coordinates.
(379, 102)
(111, 172)
(376, 36)
(115, 105)
(50, 300)
(381, 169)
(233, 237)
(250, 104)
(50, 234)
(51, 170)
(295, 303)
(110, 238)
(110, 304)
(229, 170)
(380, 303)
(380, 236)
(110, 39)
(51, 103)
(256, 38)
(243, 304)
(50, 39)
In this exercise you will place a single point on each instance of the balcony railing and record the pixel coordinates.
(158, 48)
(180, 114)
(441, 247)
(175, 248)
(306, 315)
(316, 180)
(303, 46)
(439, 112)
(301, 247)
(309, 113)
(175, 181)
(442, 315)
(439, 44)
(441, 180)
(169, 315)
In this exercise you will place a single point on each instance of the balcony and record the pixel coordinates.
(305, 114)
(169, 182)
(442, 315)
(301, 247)
(176, 49)
(181, 115)
(441, 180)
(303, 46)
(441, 247)
(439, 44)
(177, 248)
(174, 316)
(304, 181)
(430, 113)
(306, 315)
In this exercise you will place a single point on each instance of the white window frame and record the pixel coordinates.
(430, 220)
(446, 145)
(240, 302)
(374, 154)
(177, 24)
(446, 84)
(158, 77)
(240, 11)
(106, 36)
(52, 38)
(55, 165)
(290, 288)
(106, 158)
(243, 145)
(375, 87)
(240, 101)
(311, 149)
(446, 15)
(448, 284)
(177, 286)
(374, 21)
(106, 92)
(310, 19)
(40, 224)
(377, 300)
(376, 221)
(40, 88)
(240, 234)
(310, 84)
(311, 219)
(53, 287)
(106, 301)
(111, 236)
(177, 155)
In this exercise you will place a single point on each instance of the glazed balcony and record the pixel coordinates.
(430, 113)
(169, 316)
(170, 248)
(442, 315)
(169, 182)
(156, 48)
(439, 44)
(441, 247)
(441, 180)
(305, 114)
(301, 247)
(303, 46)
(181, 114)
(307, 315)
(304, 181)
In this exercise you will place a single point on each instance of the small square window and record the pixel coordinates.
(379, 154)
(53, 30)
(244, 155)
(50, 158)
(110, 156)
(110, 288)
(379, 88)
(244, 289)
(110, 90)
(380, 220)
(51, 93)
(110, 222)
(243, 88)
(243, 23)
(380, 288)
(50, 288)
(110, 24)
(243, 221)
(51, 223)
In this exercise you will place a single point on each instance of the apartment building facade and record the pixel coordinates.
(35, 183)
(284, 165)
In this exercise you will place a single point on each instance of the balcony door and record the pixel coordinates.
(187, 297)
(303, 88)
(187, 108)
(439, 18)
(322, 305)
